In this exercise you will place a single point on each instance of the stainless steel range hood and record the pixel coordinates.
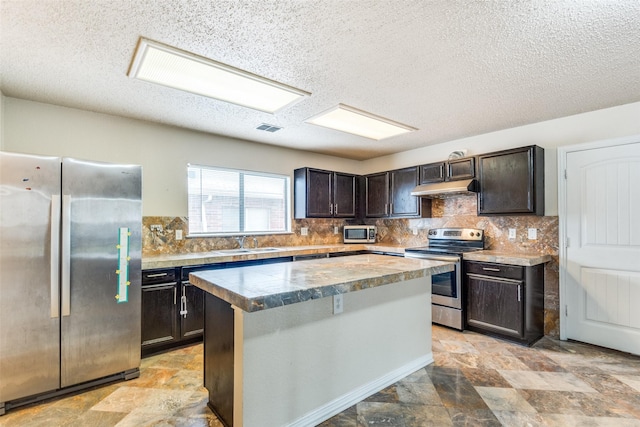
(438, 190)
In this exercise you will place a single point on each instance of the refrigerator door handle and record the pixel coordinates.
(66, 255)
(55, 256)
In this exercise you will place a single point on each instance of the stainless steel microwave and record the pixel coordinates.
(359, 234)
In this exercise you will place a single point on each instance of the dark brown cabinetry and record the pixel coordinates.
(324, 194)
(512, 182)
(451, 170)
(388, 194)
(505, 300)
(159, 308)
(377, 195)
(172, 311)
(458, 169)
(433, 172)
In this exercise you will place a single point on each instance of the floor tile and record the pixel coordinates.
(476, 380)
(504, 399)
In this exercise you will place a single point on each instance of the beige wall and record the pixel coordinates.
(1, 121)
(164, 151)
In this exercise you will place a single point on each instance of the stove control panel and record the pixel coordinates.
(473, 234)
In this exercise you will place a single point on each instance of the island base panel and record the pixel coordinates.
(218, 357)
(297, 364)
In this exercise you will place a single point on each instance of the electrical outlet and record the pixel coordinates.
(512, 233)
(336, 230)
(304, 231)
(415, 231)
(155, 227)
(532, 233)
(178, 234)
(338, 304)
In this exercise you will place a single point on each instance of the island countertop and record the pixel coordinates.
(261, 287)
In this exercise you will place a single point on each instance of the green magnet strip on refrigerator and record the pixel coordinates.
(123, 265)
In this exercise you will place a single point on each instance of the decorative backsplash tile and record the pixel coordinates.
(459, 211)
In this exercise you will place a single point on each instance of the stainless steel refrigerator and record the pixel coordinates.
(70, 271)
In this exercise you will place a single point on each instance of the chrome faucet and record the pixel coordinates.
(255, 242)
(240, 240)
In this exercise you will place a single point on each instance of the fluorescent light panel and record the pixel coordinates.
(168, 66)
(357, 122)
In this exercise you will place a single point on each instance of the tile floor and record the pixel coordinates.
(475, 381)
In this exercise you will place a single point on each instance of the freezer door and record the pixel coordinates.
(29, 275)
(100, 319)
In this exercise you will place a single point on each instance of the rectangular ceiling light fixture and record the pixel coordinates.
(357, 122)
(168, 66)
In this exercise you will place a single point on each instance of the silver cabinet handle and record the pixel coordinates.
(183, 306)
(330, 209)
(174, 295)
(490, 269)
(55, 256)
(336, 209)
(157, 275)
(519, 287)
(66, 255)
(390, 208)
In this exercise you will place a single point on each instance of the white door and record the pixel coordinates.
(602, 294)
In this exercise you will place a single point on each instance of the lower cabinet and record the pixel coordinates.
(505, 300)
(172, 310)
(159, 324)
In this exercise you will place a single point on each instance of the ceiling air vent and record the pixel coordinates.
(268, 128)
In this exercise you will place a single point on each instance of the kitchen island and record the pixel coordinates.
(275, 352)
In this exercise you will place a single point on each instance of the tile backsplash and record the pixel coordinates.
(459, 211)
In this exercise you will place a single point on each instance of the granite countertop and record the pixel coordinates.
(526, 259)
(261, 287)
(222, 255)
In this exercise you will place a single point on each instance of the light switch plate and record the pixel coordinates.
(304, 231)
(336, 230)
(532, 233)
(512, 233)
(338, 304)
(178, 234)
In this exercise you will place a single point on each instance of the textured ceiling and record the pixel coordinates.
(449, 68)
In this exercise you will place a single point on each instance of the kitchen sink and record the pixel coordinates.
(247, 250)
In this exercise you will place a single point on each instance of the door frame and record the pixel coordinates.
(562, 212)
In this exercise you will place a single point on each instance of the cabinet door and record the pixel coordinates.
(495, 305)
(159, 314)
(319, 192)
(402, 202)
(192, 301)
(512, 182)
(344, 195)
(433, 172)
(461, 169)
(377, 195)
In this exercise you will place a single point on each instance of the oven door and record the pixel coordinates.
(446, 288)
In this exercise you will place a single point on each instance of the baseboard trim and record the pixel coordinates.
(349, 399)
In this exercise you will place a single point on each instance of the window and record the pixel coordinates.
(228, 201)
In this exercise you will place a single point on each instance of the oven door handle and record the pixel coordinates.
(433, 257)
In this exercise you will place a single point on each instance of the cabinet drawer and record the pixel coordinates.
(495, 270)
(161, 275)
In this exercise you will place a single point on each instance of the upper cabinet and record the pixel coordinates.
(464, 168)
(433, 172)
(512, 182)
(451, 170)
(388, 194)
(324, 194)
(376, 188)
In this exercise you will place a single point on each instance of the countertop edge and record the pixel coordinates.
(393, 274)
